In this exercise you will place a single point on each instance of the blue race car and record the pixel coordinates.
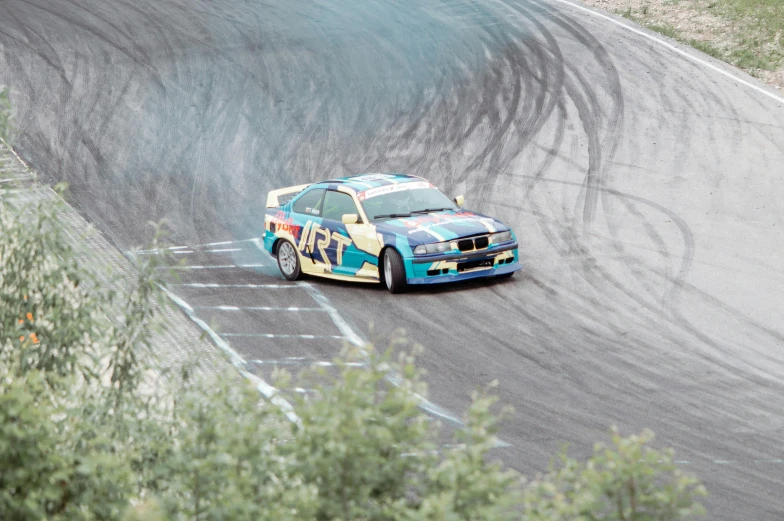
(390, 228)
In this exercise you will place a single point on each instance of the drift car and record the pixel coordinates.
(391, 228)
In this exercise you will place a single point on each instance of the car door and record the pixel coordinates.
(307, 213)
(346, 259)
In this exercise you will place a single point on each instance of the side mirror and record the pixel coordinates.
(459, 201)
(350, 218)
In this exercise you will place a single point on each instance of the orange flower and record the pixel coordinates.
(30, 317)
(21, 321)
(34, 338)
(25, 298)
(21, 338)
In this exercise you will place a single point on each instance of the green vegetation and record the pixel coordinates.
(666, 30)
(747, 33)
(89, 430)
(763, 17)
(707, 48)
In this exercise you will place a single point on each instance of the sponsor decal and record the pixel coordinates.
(287, 225)
(388, 189)
(373, 177)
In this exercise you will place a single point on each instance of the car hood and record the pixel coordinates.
(441, 226)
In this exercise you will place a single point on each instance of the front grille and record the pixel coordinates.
(474, 243)
(466, 245)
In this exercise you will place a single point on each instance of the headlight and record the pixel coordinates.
(438, 247)
(499, 237)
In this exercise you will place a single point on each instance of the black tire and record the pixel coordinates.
(394, 271)
(288, 260)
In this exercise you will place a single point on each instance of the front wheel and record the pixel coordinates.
(394, 271)
(288, 260)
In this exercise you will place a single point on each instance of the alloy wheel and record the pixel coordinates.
(288, 259)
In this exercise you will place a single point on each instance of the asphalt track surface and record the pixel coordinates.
(645, 187)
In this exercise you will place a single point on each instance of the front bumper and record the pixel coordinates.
(452, 267)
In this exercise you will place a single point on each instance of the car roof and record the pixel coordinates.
(362, 182)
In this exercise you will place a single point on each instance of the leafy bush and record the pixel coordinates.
(45, 296)
(626, 481)
(55, 464)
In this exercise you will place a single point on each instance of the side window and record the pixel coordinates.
(336, 204)
(309, 203)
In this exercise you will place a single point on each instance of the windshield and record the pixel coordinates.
(404, 200)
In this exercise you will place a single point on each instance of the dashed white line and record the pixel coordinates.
(191, 249)
(215, 267)
(278, 335)
(249, 286)
(305, 361)
(258, 308)
(224, 243)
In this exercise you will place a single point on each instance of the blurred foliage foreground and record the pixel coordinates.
(87, 432)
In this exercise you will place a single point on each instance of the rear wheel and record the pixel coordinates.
(394, 271)
(288, 260)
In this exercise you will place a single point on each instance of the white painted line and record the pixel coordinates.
(183, 252)
(12, 179)
(276, 335)
(257, 308)
(348, 364)
(673, 48)
(208, 267)
(224, 250)
(158, 251)
(250, 286)
(224, 243)
(263, 387)
(303, 361)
